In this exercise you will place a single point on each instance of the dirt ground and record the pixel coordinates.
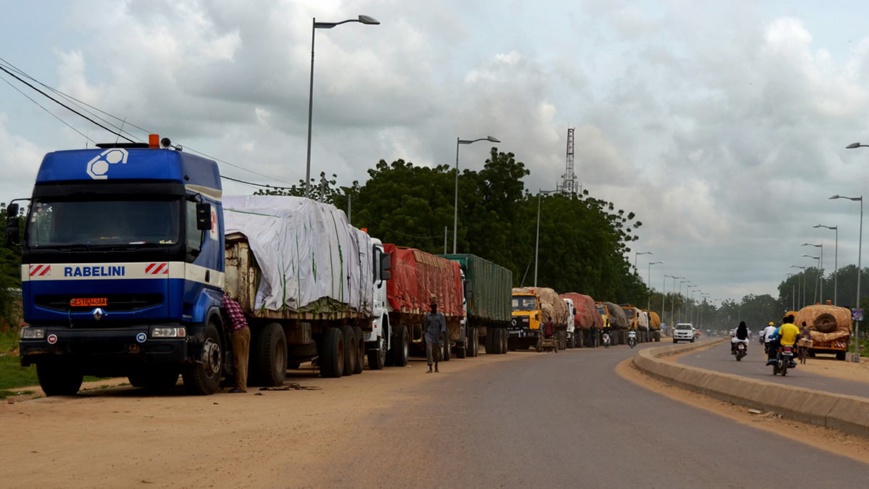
(123, 437)
(160, 440)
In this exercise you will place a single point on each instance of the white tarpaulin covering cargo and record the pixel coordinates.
(307, 252)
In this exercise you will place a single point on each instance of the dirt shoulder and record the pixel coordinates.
(112, 435)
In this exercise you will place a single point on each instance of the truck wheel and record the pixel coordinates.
(203, 378)
(446, 351)
(360, 350)
(400, 348)
(59, 378)
(377, 358)
(349, 350)
(490, 340)
(462, 350)
(504, 341)
(154, 378)
(571, 343)
(268, 364)
(332, 353)
(840, 355)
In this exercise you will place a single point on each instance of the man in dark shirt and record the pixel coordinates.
(240, 337)
(435, 329)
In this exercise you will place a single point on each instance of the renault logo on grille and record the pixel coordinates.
(98, 313)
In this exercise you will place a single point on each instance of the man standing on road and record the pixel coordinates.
(435, 329)
(240, 337)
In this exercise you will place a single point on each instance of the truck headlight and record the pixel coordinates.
(30, 333)
(167, 332)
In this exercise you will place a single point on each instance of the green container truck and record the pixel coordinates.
(488, 296)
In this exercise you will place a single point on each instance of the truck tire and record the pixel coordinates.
(571, 343)
(840, 355)
(360, 349)
(349, 350)
(473, 342)
(505, 340)
(332, 353)
(446, 351)
(462, 350)
(59, 378)
(154, 378)
(400, 347)
(268, 361)
(203, 378)
(377, 358)
(490, 339)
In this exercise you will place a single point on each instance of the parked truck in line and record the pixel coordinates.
(125, 259)
(637, 321)
(488, 293)
(416, 276)
(587, 321)
(654, 326)
(532, 306)
(614, 318)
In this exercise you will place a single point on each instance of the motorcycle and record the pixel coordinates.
(606, 340)
(632, 338)
(741, 351)
(784, 360)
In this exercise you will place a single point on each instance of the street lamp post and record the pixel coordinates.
(854, 357)
(456, 200)
(673, 302)
(820, 278)
(802, 286)
(672, 309)
(835, 263)
(537, 239)
(362, 19)
(685, 305)
(648, 281)
(638, 253)
(818, 264)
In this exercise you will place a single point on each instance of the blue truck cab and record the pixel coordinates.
(123, 268)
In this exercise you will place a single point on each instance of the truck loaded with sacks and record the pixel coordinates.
(587, 321)
(532, 307)
(829, 328)
(415, 279)
(128, 249)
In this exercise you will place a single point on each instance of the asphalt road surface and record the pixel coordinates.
(753, 366)
(515, 421)
(566, 420)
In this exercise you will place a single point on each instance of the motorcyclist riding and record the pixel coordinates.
(741, 337)
(786, 335)
(767, 335)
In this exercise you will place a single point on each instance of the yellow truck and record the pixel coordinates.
(531, 307)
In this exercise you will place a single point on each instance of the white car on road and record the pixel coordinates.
(683, 332)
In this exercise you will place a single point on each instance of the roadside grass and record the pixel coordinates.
(12, 374)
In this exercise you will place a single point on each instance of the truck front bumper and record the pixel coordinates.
(106, 350)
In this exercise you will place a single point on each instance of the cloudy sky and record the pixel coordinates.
(721, 124)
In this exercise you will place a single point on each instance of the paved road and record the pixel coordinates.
(753, 366)
(567, 420)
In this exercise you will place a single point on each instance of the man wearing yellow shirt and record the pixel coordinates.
(786, 335)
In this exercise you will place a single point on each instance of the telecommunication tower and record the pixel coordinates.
(568, 184)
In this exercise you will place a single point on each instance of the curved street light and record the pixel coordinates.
(854, 357)
(648, 281)
(638, 253)
(835, 263)
(672, 302)
(820, 276)
(803, 287)
(362, 19)
(456, 200)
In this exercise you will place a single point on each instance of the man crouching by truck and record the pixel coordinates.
(435, 333)
(240, 337)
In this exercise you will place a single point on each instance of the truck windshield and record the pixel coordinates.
(601, 310)
(523, 303)
(70, 224)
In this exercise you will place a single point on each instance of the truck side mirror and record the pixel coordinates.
(12, 228)
(203, 217)
(466, 284)
(385, 265)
